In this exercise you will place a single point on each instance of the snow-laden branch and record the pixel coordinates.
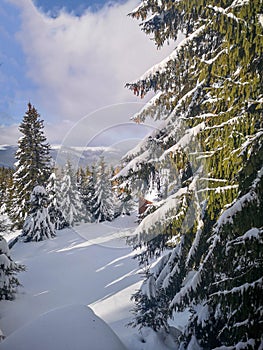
(238, 204)
(161, 67)
(159, 216)
(190, 134)
(240, 289)
(226, 13)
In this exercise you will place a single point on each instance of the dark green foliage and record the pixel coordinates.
(86, 184)
(104, 197)
(209, 166)
(33, 165)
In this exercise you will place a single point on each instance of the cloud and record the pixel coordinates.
(9, 134)
(80, 64)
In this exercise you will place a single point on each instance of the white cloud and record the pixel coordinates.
(9, 134)
(80, 64)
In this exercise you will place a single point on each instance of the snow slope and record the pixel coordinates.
(89, 265)
(71, 327)
(74, 270)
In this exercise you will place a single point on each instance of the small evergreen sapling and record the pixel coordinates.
(38, 225)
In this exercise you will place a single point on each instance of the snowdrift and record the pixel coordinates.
(70, 327)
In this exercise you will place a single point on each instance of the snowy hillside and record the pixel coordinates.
(71, 327)
(89, 265)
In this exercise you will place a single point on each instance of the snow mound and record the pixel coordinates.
(70, 327)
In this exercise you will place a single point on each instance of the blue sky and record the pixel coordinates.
(72, 6)
(69, 59)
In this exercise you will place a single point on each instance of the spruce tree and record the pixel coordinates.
(6, 184)
(86, 189)
(38, 225)
(209, 96)
(33, 164)
(55, 201)
(71, 205)
(104, 195)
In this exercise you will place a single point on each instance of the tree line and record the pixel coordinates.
(38, 199)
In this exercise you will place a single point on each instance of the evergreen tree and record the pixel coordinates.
(8, 269)
(71, 205)
(32, 166)
(38, 225)
(86, 190)
(55, 200)
(104, 195)
(209, 96)
(6, 184)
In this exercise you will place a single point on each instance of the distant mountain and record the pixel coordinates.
(7, 155)
(79, 156)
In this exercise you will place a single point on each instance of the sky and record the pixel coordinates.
(71, 60)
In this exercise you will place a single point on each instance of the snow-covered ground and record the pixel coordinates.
(89, 265)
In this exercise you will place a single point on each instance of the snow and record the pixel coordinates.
(239, 346)
(160, 215)
(88, 266)
(134, 164)
(191, 285)
(238, 204)
(38, 190)
(237, 3)
(224, 11)
(241, 289)
(203, 314)
(214, 58)
(149, 104)
(3, 147)
(57, 276)
(160, 67)
(185, 140)
(253, 233)
(193, 345)
(11, 235)
(84, 148)
(250, 140)
(70, 327)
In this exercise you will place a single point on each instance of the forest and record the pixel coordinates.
(199, 178)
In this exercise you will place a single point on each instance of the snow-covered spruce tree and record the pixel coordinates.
(104, 197)
(55, 200)
(71, 204)
(209, 96)
(8, 270)
(90, 192)
(33, 164)
(226, 291)
(6, 185)
(6, 177)
(86, 189)
(38, 225)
